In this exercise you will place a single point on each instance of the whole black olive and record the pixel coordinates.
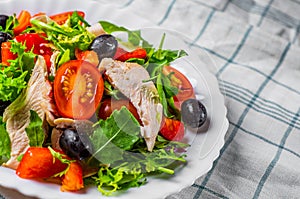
(193, 113)
(104, 45)
(3, 106)
(3, 19)
(4, 37)
(75, 144)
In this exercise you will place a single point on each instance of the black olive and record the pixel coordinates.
(3, 19)
(3, 106)
(4, 37)
(193, 113)
(104, 45)
(75, 144)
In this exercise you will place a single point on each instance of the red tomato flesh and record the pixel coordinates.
(172, 130)
(108, 105)
(78, 89)
(185, 88)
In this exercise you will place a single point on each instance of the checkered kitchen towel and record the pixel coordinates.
(255, 47)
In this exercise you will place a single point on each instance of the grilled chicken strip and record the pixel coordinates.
(129, 79)
(17, 114)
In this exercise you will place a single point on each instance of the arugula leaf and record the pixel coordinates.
(14, 78)
(134, 37)
(35, 130)
(112, 136)
(71, 35)
(4, 143)
(11, 23)
(63, 158)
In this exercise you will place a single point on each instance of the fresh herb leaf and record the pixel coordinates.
(112, 136)
(134, 37)
(4, 143)
(63, 158)
(35, 130)
(71, 35)
(111, 91)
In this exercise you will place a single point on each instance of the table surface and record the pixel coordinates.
(255, 47)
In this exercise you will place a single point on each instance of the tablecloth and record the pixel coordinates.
(254, 45)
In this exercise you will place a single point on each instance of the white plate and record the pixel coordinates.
(205, 146)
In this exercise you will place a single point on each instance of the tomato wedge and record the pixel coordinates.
(61, 18)
(24, 21)
(185, 88)
(78, 89)
(6, 54)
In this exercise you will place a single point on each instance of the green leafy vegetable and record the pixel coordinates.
(112, 136)
(110, 180)
(4, 143)
(14, 78)
(134, 37)
(11, 23)
(35, 130)
(63, 159)
(71, 35)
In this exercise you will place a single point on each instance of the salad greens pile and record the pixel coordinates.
(117, 145)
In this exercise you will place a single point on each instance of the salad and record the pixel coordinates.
(81, 106)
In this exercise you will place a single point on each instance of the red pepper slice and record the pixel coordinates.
(61, 18)
(138, 53)
(24, 21)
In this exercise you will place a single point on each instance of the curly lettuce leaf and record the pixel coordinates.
(14, 78)
(110, 180)
(4, 143)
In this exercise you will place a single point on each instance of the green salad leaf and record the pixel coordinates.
(110, 180)
(4, 143)
(112, 136)
(70, 35)
(35, 130)
(14, 78)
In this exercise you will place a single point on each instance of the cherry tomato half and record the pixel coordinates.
(185, 88)
(38, 44)
(6, 54)
(78, 89)
(172, 129)
(108, 105)
(61, 18)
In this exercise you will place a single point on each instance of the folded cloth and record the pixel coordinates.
(255, 48)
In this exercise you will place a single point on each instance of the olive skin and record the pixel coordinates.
(4, 37)
(3, 19)
(105, 46)
(3, 106)
(75, 144)
(193, 113)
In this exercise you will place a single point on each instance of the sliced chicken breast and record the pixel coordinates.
(17, 114)
(131, 80)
